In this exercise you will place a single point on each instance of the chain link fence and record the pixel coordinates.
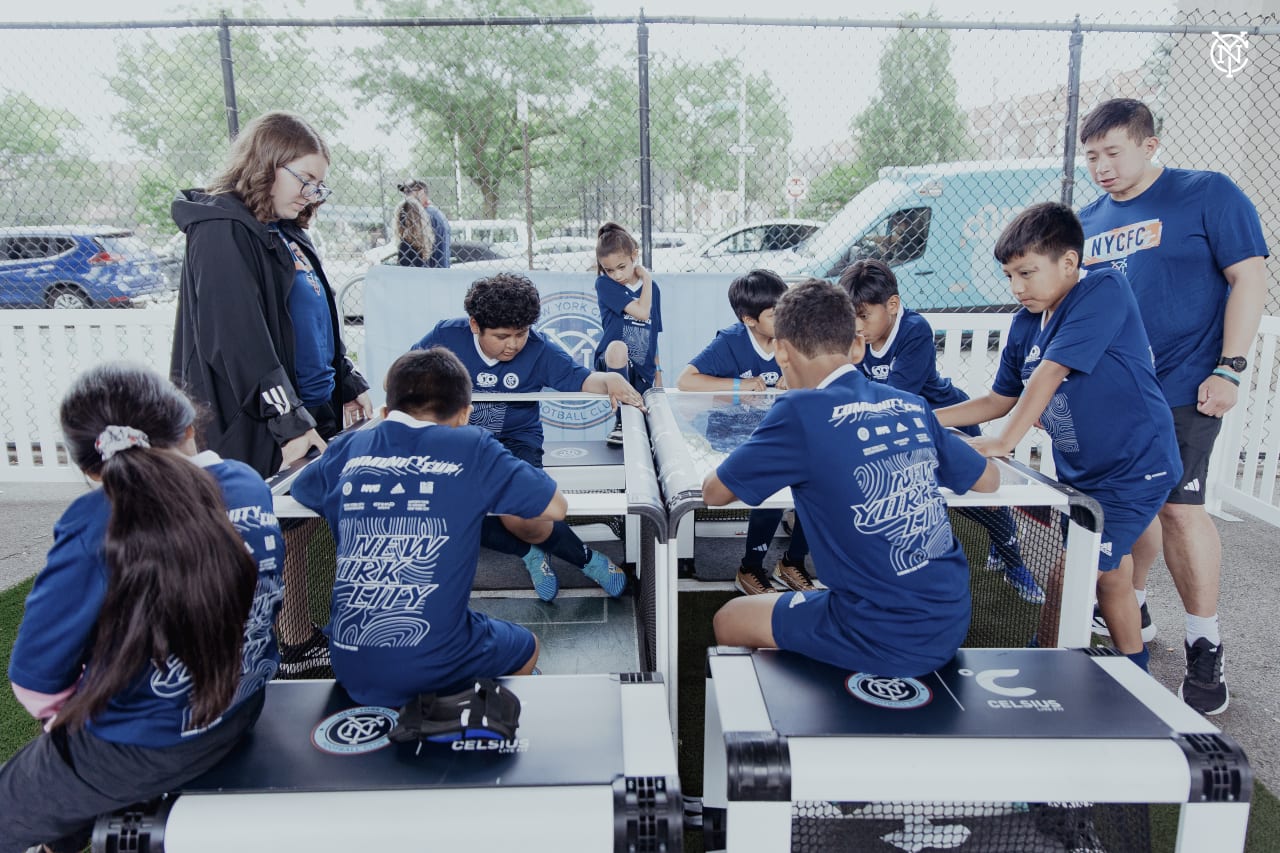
(725, 145)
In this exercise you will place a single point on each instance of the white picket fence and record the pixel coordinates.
(42, 350)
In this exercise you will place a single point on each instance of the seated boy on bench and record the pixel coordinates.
(405, 500)
(864, 462)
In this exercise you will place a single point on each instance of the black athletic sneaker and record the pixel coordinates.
(309, 658)
(1204, 687)
(615, 437)
(1149, 629)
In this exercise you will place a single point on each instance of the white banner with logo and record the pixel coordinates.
(401, 304)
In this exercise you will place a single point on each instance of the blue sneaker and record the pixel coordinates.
(545, 582)
(994, 563)
(601, 569)
(1024, 582)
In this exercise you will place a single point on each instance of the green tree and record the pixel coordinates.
(915, 118)
(694, 124)
(42, 177)
(171, 84)
(443, 83)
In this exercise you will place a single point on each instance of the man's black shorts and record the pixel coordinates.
(1196, 433)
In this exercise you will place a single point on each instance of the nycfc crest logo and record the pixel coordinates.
(572, 320)
(899, 694)
(1227, 53)
(355, 730)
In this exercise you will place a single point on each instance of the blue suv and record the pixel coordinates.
(75, 267)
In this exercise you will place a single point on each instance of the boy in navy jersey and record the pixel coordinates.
(502, 352)
(1077, 362)
(865, 463)
(1191, 245)
(406, 500)
(900, 352)
(740, 358)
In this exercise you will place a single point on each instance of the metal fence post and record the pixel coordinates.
(1073, 113)
(228, 77)
(646, 184)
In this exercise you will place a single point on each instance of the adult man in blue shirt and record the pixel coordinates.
(1191, 245)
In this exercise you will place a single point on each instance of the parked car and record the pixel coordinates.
(747, 247)
(66, 266)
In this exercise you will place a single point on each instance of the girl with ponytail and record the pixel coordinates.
(147, 638)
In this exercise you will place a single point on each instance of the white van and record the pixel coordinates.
(509, 236)
(937, 226)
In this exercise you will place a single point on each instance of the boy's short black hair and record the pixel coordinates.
(429, 383)
(1133, 115)
(815, 317)
(503, 301)
(1049, 229)
(752, 294)
(869, 282)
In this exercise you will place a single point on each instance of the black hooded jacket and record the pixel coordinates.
(233, 347)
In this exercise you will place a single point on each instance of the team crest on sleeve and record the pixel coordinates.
(572, 321)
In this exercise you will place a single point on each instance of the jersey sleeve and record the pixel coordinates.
(1232, 224)
(428, 340)
(61, 612)
(716, 358)
(517, 488)
(771, 459)
(559, 370)
(1008, 381)
(959, 465)
(611, 296)
(655, 314)
(915, 362)
(316, 487)
(1088, 324)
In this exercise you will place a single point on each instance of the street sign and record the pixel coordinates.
(797, 186)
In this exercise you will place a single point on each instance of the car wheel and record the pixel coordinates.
(67, 296)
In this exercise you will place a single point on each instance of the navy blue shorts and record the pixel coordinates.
(500, 648)
(1122, 524)
(804, 623)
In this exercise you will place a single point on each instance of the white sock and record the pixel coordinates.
(1141, 595)
(1203, 626)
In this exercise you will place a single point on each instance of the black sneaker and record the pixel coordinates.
(615, 437)
(1204, 687)
(309, 658)
(1099, 625)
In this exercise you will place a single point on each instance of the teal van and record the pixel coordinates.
(937, 225)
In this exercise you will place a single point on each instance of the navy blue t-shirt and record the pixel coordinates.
(312, 331)
(734, 352)
(641, 338)
(541, 364)
(1172, 243)
(864, 462)
(405, 500)
(56, 635)
(439, 251)
(909, 362)
(1112, 430)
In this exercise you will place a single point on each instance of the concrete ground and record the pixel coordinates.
(1248, 605)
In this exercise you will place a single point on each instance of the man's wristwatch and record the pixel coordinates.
(1234, 363)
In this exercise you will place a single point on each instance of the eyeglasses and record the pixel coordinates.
(311, 190)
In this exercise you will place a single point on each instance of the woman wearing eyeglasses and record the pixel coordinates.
(257, 337)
